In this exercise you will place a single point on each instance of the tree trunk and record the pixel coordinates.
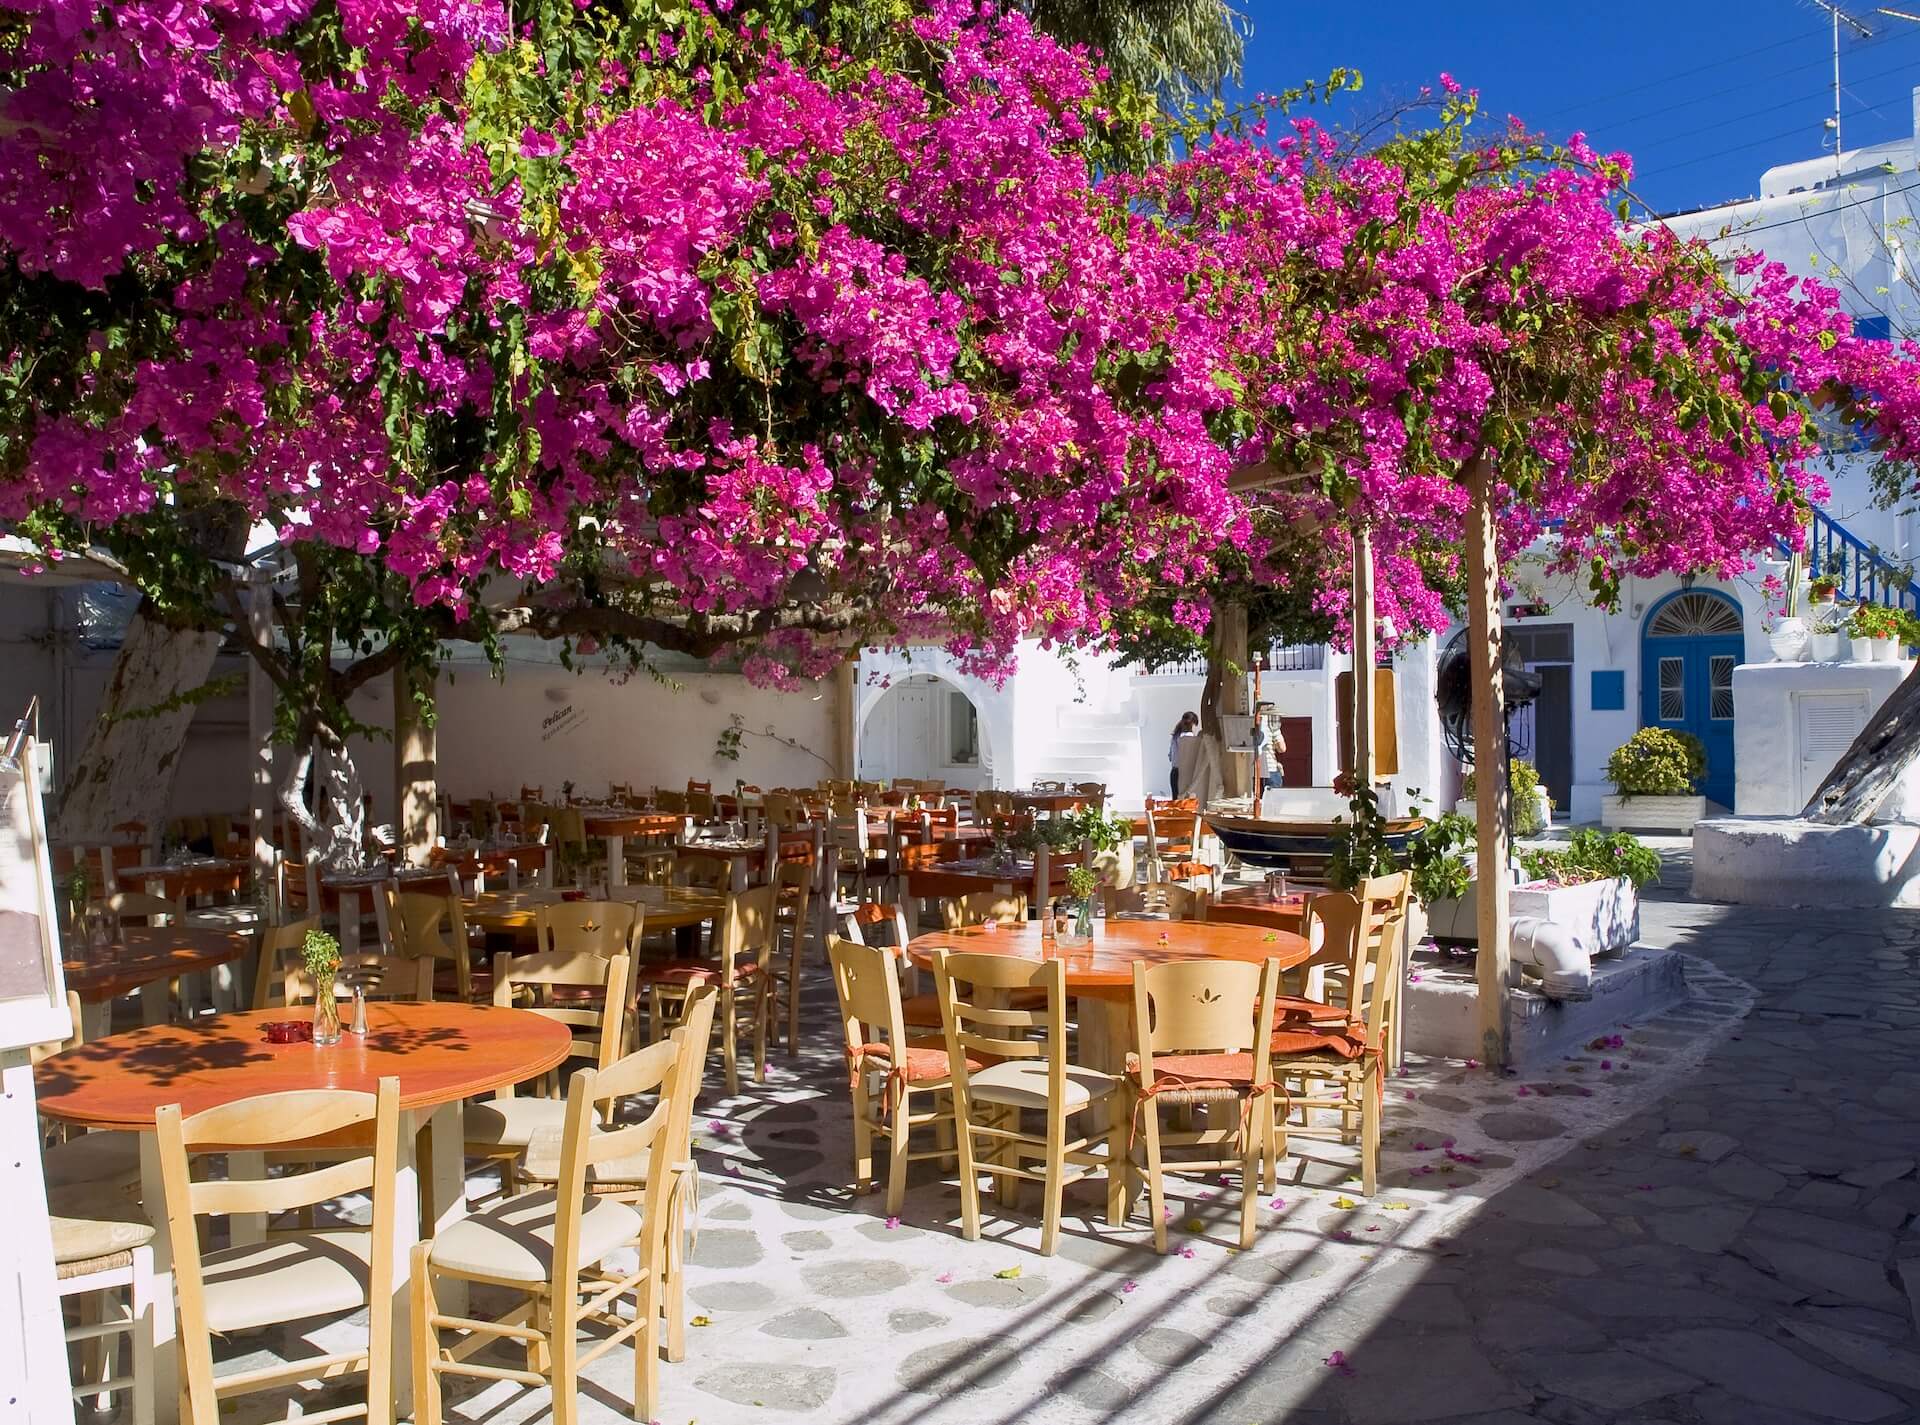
(125, 771)
(1217, 772)
(335, 831)
(415, 764)
(1875, 761)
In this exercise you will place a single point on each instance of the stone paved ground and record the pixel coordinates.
(1717, 1223)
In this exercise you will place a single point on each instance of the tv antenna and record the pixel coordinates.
(1861, 29)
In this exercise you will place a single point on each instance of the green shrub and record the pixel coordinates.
(1657, 762)
(1526, 801)
(1873, 621)
(1439, 858)
(1591, 855)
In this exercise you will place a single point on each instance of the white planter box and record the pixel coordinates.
(1651, 813)
(1470, 809)
(1603, 916)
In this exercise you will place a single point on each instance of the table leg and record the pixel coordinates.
(407, 1228)
(166, 1350)
(156, 1001)
(1106, 1027)
(96, 1020)
(446, 1179)
(616, 862)
(739, 877)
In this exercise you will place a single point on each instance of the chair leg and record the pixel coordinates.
(672, 1296)
(646, 1348)
(1055, 1186)
(426, 1340)
(140, 1303)
(1370, 1126)
(1256, 1126)
(762, 1020)
(1119, 1167)
(563, 1340)
(1156, 1187)
(793, 996)
(729, 1040)
(898, 1135)
(862, 1136)
(969, 1180)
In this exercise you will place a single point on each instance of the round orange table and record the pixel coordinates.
(141, 954)
(1100, 975)
(442, 1053)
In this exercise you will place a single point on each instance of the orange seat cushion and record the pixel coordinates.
(921, 1011)
(668, 973)
(1291, 1011)
(1197, 1070)
(925, 1060)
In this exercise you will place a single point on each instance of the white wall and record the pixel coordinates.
(908, 730)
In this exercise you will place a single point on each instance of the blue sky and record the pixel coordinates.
(1705, 94)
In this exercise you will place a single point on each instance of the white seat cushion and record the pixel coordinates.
(512, 1122)
(513, 1240)
(542, 1163)
(289, 1279)
(1023, 1083)
(93, 1157)
(95, 1220)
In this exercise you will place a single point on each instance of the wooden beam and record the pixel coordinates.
(260, 703)
(1489, 762)
(1364, 644)
(846, 694)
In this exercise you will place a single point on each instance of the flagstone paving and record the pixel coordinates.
(1719, 1226)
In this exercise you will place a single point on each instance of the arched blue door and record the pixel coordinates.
(1688, 651)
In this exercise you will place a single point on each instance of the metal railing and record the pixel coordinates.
(1865, 575)
(1281, 658)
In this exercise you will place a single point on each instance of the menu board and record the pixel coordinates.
(33, 995)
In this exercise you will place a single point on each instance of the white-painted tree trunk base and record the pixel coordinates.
(126, 768)
(1787, 861)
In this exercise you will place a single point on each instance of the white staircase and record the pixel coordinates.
(1089, 746)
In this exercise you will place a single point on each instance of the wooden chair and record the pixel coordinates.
(587, 927)
(866, 924)
(280, 949)
(879, 1052)
(532, 794)
(384, 977)
(979, 907)
(1332, 1060)
(101, 1249)
(1203, 1037)
(1173, 841)
(501, 1127)
(1155, 898)
(431, 925)
(1025, 1056)
(552, 1246)
(626, 1178)
(294, 1277)
(793, 882)
(139, 908)
(744, 941)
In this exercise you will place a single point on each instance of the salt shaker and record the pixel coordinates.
(359, 1024)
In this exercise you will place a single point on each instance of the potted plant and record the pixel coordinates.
(1906, 634)
(1786, 631)
(1655, 774)
(1590, 885)
(321, 954)
(1073, 912)
(1872, 629)
(1532, 807)
(1823, 588)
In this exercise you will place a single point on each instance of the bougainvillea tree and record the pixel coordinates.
(646, 327)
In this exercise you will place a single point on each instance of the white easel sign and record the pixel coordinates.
(33, 1010)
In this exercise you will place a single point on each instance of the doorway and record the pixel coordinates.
(1542, 732)
(1692, 642)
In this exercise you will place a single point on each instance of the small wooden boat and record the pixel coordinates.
(1288, 845)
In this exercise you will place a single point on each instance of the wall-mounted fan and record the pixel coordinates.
(1453, 691)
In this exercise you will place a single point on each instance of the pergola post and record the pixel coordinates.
(1363, 656)
(416, 782)
(1489, 761)
(260, 699)
(846, 693)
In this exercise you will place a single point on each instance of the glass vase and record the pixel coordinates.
(326, 1010)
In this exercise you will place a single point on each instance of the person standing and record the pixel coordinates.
(1188, 725)
(1268, 744)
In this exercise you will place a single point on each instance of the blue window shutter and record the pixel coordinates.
(1609, 690)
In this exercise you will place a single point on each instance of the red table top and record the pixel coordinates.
(440, 1052)
(1118, 944)
(144, 954)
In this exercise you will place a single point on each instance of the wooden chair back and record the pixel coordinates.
(1173, 826)
(139, 908)
(532, 794)
(674, 803)
(264, 1122)
(975, 991)
(793, 883)
(1175, 902)
(279, 950)
(388, 977)
(1204, 1007)
(587, 927)
(429, 925)
(619, 793)
(979, 907)
(870, 917)
(867, 981)
(749, 929)
(699, 803)
(598, 1026)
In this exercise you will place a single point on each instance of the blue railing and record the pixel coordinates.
(1865, 575)
(1281, 658)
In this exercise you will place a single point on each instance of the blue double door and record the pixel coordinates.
(1686, 683)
